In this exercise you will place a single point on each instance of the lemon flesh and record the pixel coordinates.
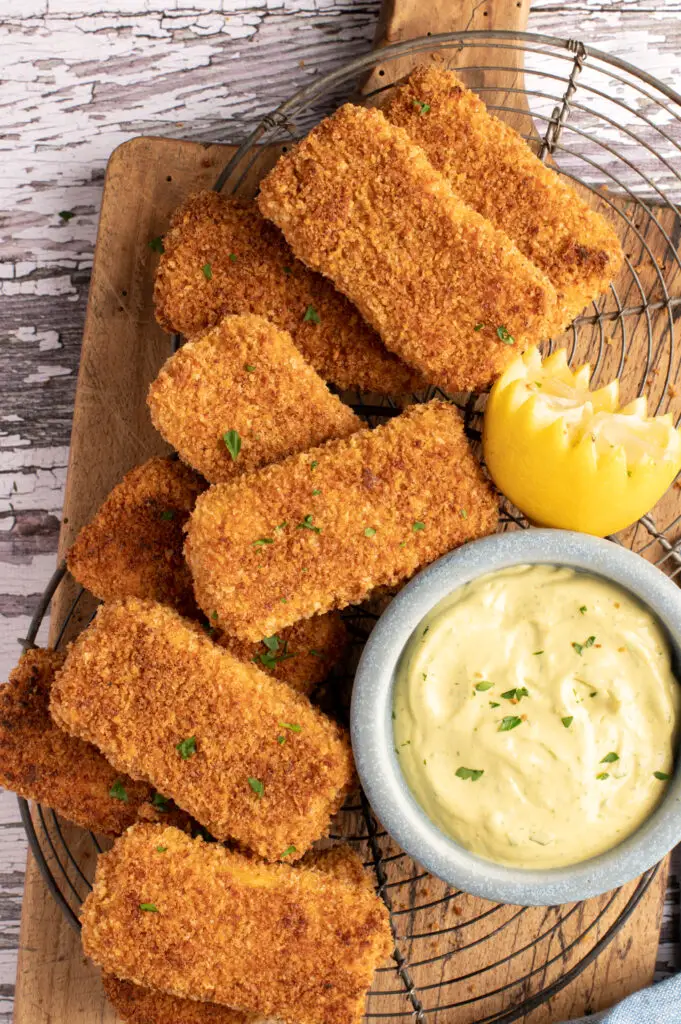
(573, 458)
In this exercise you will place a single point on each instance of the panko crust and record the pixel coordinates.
(138, 1005)
(416, 469)
(445, 289)
(244, 375)
(494, 170)
(285, 942)
(41, 762)
(304, 653)
(133, 545)
(141, 680)
(265, 278)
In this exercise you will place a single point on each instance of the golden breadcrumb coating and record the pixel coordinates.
(243, 375)
(133, 546)
(138, 1005)
(494, 170)
(247, 757)
(254, 271)
(302, 655)
(291, 943)
(41, 762)
(445, 289)
(390, 500)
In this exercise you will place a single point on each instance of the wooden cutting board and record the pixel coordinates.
(122, 352)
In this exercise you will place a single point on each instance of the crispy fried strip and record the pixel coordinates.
(138, 1005)
(242, 396)
(41, 762)
(290, 943)
(494, 170)
(390, 500)
(445, 289)
(250, 759)
(133, 545)
(254, 271)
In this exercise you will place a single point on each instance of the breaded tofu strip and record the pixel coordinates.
(494, 170)
(242, 396)
(339, 521)
(133, 546)
(446, 290)
(138, 1005)
(41, 762)
(254, 271)
(199, 921)
(302, 655)
(250, 759)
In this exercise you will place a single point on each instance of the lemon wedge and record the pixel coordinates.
(573, 458)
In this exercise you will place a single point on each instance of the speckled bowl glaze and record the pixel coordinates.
(372, 730)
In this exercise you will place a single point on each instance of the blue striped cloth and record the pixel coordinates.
(660, 1004)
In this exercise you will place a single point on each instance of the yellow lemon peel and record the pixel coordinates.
(573, 458)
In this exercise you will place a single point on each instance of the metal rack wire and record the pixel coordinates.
(455, 954)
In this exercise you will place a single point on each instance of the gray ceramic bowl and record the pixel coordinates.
(372, 729)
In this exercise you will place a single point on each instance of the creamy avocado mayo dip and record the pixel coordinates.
(535, 714)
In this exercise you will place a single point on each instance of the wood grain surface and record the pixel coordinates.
(79, 81)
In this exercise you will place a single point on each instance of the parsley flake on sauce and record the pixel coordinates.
(484, 685)
(603, 775)
(516, 694)
(535, 653)
(150, 908)
(583, 609)
(118, 791)
(232, 440)
(504, 335)
(610, 758)
(186, 748)
(509, 722)
(469, 773)
(589, 642)
(493, 704)
(257, 786)
(662, 776)
(568, 720)
(207, 271)
(312, 316)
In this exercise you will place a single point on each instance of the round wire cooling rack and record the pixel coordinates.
(616, 133)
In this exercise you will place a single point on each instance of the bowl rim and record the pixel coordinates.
(372, 733)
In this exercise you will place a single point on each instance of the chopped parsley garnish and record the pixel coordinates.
(505, 336)
(484, 685)
(610, 758)
(281, 526)
(287, 270)
(493, 704)
(288, 851)
(257, 786)
(233, 257)
(186, 748)
(535, 653)
(568, 720)
(160, 802)
(662, 776)
(155, 244)
(150, 908)
(313, 464)
(232, 441)
(589, 642)
(261, 541)
(167, 514)
(161, 849)
(469, 773)
(271, 642)
(418, 525)
(271, 658)
(312, 316)
(478, 327)
(422, 107)
(281, 740)
(316, 654)
(583, 609)
(67, 215)
(214, 616)
(509, 722)
(307, 524)
(118, 791)
(316, 491)
(249, 368)
(603, 775)
(291, 726)
(463, 513)
(369, 532)
(516, 694)
(207, 271)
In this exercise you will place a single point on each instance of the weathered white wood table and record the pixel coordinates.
(75, 85)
